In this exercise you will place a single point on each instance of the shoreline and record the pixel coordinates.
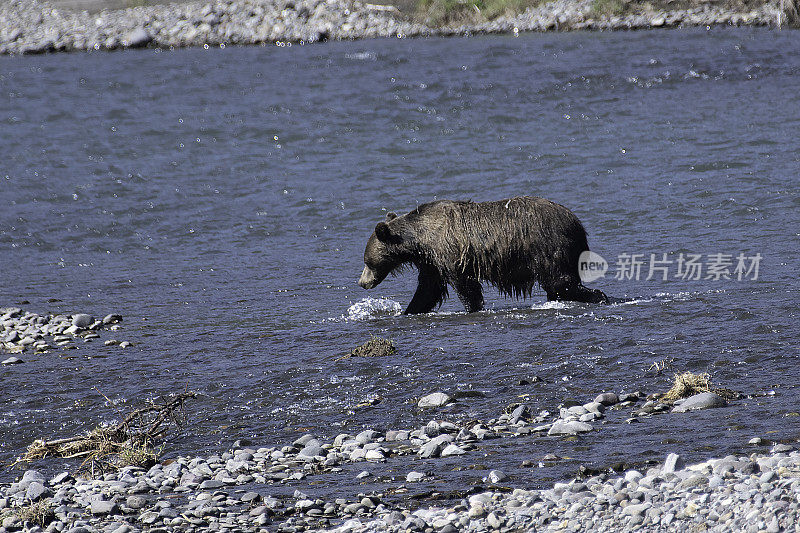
(36, 26)
(247, 487)
(231, 490)
(236, 489)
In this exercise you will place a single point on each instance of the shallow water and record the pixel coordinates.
(221, 200)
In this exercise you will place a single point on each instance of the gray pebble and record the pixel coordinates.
(137, 38)
(36, 491)
(102, 507)
(607, 398)
(82, 320)
(434, 447)
(112, 319)
(494, 521)
(135, 502)
(497, 476)
(366, 436)
(561, 427)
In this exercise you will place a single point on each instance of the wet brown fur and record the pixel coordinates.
(512, 244)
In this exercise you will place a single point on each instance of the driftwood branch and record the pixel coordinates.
(134, 437)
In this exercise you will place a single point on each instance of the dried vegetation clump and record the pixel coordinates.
(131, 442)
(375, 347)
(688, 384)
(40, 513)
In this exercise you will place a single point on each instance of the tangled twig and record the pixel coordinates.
(131, 441)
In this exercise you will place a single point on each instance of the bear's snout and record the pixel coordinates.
(367, 279)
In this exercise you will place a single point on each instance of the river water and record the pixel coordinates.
(221, 199)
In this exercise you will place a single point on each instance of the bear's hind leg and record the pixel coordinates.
(470, 293)
(590, 296)
(574, 291)
(431, 292)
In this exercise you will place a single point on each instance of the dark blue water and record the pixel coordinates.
(221, 200)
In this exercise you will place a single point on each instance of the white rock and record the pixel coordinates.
(672, 463)
(374, 455)
(477, 510)
(414, 477)
(436, 399)
(497, 476)
(633, 476)
(563, 427)
(452, 449)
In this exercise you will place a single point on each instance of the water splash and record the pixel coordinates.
(550, 304)
(373, 307)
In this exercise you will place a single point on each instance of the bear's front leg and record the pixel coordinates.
(470, 293)
(431, 292)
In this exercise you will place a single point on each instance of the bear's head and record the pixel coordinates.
(384, 252)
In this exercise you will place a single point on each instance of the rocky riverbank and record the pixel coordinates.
(754, 493)
(35, 26)
(231, 491)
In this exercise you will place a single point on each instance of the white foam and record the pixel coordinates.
(361, 56)
(668, 297)
(550, 304)
(373, 307)
(634, 301)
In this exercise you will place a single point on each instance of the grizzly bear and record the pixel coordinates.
(512, 244)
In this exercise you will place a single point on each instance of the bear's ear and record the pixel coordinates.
(385, 234)
(390, 216)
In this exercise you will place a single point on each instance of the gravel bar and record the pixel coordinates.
(34, 26)
(245, 488)
(27, 333)
(229, 492)
(755, 493)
